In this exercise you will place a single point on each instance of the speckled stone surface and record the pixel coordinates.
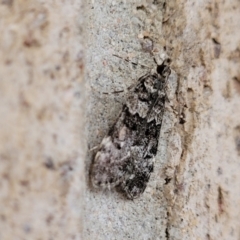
(193, 192)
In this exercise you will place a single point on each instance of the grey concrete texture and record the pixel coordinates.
(62, 88)
(193, 192)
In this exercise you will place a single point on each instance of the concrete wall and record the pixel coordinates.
(193, 192)
(53, 113)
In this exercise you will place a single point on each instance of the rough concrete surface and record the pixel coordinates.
(45, 193)
(41, 120)
(194, 190)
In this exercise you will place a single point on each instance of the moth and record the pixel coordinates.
(125, 158)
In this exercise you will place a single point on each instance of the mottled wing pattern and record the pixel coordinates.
(126, 156)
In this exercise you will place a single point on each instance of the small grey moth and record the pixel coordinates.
(125, 158)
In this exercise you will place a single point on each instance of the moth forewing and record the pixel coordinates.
(126, 156)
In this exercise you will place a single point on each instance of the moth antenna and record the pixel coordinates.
(127, 60)
(106, 93)
(154, 59)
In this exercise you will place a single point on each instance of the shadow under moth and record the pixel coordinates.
(125, 157)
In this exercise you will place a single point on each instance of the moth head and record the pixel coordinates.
(164, 68)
